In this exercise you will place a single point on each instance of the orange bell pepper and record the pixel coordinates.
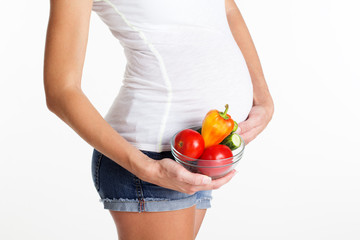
(216, 126)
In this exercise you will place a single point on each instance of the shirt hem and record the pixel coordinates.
(151, 147)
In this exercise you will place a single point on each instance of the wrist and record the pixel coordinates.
(149, 170)
(141, 165)
(266, 102)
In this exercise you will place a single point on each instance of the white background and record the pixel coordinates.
(298, 180)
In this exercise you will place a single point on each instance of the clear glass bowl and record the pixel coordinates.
(212, 168)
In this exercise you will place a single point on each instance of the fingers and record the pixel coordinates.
(215, 184)
(247, 125)
(183, 175)
(212, 185)
(180, 179)
(194, 178)
(198, 182)
(253, 125)
(244, 126)
(247, 130)
(251, 134)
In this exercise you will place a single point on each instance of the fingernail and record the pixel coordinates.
(206, 180)
(239, 130)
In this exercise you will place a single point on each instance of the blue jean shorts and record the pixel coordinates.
(120, 190)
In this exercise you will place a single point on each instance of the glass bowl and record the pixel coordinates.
(212, 168)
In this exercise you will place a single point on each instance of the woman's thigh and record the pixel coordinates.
(199, 217)
(169, 225)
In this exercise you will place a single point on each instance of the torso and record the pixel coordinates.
(182, 61)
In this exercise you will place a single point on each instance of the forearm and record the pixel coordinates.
(74, 108)
(243, 39)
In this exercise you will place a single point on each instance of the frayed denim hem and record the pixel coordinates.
(203, 203)
(154, 204)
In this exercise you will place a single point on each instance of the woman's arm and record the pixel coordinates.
(263, 106)
(64, 58)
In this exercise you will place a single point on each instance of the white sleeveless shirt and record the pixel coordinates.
(182, 61)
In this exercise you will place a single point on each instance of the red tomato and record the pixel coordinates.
(189, 143)
(216, 156)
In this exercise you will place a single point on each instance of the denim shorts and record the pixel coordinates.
(120, 190)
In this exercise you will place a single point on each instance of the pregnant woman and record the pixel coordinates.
(184, 58)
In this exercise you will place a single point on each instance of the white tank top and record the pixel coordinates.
(182, 61)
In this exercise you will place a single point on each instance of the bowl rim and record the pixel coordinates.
(239, 151)
(195, 163)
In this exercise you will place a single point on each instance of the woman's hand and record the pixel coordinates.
(170, 174)
(263, 107)
(259, 117)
